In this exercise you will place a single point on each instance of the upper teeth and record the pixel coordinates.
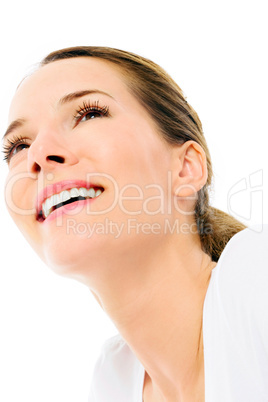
(65, 195)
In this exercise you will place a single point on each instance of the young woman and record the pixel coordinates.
(109, 174)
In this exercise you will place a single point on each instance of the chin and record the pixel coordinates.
(77, 256)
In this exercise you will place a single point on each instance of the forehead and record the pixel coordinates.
(52, 81)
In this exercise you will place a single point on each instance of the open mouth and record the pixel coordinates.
(67, 197)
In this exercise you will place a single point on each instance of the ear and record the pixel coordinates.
(190, 169)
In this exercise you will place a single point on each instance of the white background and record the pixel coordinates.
(51, 329)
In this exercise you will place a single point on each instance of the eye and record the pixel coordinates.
(90, 111)
(14, 146)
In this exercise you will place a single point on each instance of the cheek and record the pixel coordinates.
(19, 196)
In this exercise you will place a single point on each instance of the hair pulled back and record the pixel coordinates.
(178, 122)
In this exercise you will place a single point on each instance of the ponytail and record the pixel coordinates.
(215, 227)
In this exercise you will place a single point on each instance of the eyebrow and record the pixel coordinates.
(16, 124)
(79, 94)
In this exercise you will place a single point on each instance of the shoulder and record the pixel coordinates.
(241, 284)
(236, 320)
(117, 373)
(114, 352)
(254, 238)
(244, 261)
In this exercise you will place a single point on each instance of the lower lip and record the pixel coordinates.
(74, 207)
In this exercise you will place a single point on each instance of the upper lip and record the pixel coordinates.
(57, 188)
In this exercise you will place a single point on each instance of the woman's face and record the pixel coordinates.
(76, 128)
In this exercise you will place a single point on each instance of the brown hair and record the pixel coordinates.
(178, 123)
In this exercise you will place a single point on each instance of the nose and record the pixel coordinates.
(49, 151)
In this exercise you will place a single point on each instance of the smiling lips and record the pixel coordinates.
(63, 193)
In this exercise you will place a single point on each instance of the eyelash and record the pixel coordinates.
(82, 111)
(12, 145)
(88, 108)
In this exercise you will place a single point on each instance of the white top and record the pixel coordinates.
(235, 332)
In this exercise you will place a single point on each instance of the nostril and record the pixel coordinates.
(55, 158)
(36, 168)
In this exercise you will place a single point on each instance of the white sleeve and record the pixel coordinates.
(236, 321)
(118, 375)
(243, 286)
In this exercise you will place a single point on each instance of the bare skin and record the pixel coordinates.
(163, 326)
(192, 386)
(152, 286)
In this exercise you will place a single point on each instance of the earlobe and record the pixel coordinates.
(191, 173)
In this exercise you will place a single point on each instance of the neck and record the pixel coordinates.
(159, 314)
